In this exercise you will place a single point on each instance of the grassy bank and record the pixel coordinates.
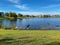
(26, 37)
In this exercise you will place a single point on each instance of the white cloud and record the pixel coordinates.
(23, 7)
(19, 5)
(14, 1)
(51, 6)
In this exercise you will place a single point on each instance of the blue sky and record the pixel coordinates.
(31, 6)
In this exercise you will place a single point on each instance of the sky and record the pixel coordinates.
(31, 7)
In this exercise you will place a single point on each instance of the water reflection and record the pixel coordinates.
(31, 23)
(13, 24)
(1, 21)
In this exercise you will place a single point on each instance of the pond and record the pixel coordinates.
(33, 23)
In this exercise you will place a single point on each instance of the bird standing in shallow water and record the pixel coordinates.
(27, 27)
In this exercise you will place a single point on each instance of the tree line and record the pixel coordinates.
(19, 15)
(13, 14)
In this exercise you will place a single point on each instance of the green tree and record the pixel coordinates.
(1, 14)
(12, 14)
(33, 16)
(20, 15)
(27, 16)
(6, 14)
(46, 16)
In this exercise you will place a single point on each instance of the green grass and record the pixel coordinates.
(29, 37)
(1, 18)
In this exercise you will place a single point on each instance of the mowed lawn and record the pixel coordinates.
(29, 37)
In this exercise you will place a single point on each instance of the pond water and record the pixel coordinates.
(33, 23)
